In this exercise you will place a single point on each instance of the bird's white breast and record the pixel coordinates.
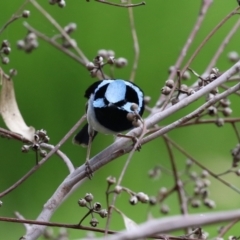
(92, 121)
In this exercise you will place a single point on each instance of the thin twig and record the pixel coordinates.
(227, 228)
(236, 131)
(62, 155)
(135, 45)
(54, 43)
(121, 5)
(168, 224)
(14, 17)
(40, 163)
(224, 86)
(202, 14)
(210, 121)
(60, 29)
(162, 197)
(234, 78)
(190, 116)
(222, 46)
(12, 135)
(202, 166)
(11, 20)
(53, 224)
(29, 222)
(219, 25)
(198, 50)
(179, 185)
(136, 145)
(225, 172)
(195, 54)
(60, 47)
(25, 177)
(26, 225)
(84, 217)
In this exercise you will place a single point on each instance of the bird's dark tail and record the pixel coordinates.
(82, 138)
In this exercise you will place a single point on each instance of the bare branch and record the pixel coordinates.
(178, 182)
(26, 225)
(167, 224)
(121, 5)
(25, 177)
(12, 135)
(135, 45)
(199, 48)
(14, 17)
(36, 167)
(55, 44)
(201, 166)
(202, 14)
(222, 46)
(227, 228)
(136, 145)
(192, 115)
(224, 86)
(62, 155)
(236, 131)
(59, 28)
(28, 222)
(210, 121)
(50, 224)
(219, 25)
(59, 47)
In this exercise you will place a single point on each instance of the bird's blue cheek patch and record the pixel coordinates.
(99, 103)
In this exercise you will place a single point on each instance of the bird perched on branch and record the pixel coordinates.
(113, 106)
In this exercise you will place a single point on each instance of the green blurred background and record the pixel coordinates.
(50, 87)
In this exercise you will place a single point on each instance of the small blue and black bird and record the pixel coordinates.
(109, 103)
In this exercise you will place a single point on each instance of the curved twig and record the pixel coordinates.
(121, 5)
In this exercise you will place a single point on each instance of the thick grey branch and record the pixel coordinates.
(168, 224)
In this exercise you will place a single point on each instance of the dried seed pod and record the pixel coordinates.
(82, 202)
(233, 56)
(88, 197)
(97, 206)
(94, 222)
(103, 213)
(121, 62)
(133, 200)
(169, 83)
(164, 209)
(118, 189)
(166, 90)
(111, 180)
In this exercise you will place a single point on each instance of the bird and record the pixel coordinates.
(109, 104)
(113, 106)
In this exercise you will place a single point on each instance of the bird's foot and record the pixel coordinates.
(134, 140)
(88, 169)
